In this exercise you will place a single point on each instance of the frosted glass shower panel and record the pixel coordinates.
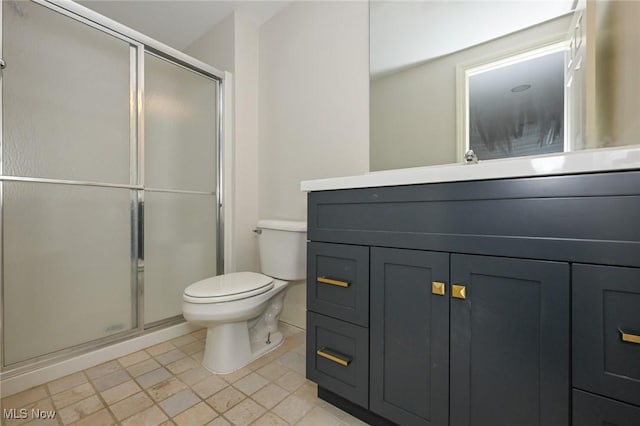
(66, 103)
(180, 127)
(67, 266)
(180, 249)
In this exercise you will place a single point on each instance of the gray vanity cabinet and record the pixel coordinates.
(471, 303)
(509, 342)
(409, 336)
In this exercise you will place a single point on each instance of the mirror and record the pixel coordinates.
(504, 78)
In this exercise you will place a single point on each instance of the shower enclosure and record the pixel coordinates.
(110, 167)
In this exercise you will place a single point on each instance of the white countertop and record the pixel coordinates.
(624, 158)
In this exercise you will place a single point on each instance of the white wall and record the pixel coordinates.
(413, 111)
(617, 85)
(301, 112)
(232, 45)
(313, 108)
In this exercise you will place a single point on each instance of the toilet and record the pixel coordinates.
(241, 310)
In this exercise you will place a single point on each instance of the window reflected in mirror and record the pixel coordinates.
(516, 106)
(429, 62)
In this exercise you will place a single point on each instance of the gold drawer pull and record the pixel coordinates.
(325, 280)
(438, 288)
(343, 362)
(459, 291)
(631, 338)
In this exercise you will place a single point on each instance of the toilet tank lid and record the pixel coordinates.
(283, 225)
(229, 284)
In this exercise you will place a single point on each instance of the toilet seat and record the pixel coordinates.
(227, 287)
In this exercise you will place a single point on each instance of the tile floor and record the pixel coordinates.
(166, 385)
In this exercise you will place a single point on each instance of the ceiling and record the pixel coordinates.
(178, 23)
(407, 32)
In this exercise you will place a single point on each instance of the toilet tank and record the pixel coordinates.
(282, 246)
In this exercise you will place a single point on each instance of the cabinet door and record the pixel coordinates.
(594, 410)
(409, 337)
(509, 342)
(606, 331)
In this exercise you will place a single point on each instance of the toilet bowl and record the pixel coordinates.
(241, 310)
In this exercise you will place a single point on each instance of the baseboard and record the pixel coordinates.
(46, 374)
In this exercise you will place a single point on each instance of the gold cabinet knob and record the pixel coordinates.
(459, 291)
(438, 288)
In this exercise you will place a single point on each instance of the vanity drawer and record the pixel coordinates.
(338, 281)
(338, 357)
(594, 410)
(606, 331)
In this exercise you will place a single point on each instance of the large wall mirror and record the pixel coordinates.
(505, 78)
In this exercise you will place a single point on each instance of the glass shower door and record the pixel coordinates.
(180, 213)
(68, 186)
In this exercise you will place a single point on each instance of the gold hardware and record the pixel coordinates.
(438, 288)
(325, 280)
(459, 291)
(336, 359)
(631, 338)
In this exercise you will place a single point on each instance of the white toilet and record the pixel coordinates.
(241, 309)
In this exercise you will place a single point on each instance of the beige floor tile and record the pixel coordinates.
(110, 380)
(152, 416)
(198, 356)
(130, 406)
(68, 397)
(273, 370)
(67, 382)
(270, 395)
(293, 408)
(169, 357)
(179, 402)
(219, 421)
(244, 413)
(200, 334)
(308, 391)
(270, 419)
(103, 369)
(199, 414)
(174, 393)
(183, 340)
(23, 398)
(210, 385)
(99, 418)
(143, 367)
(193, 347)
(225, 399)
(133, 358)
(345, 417)
(166, 388)
(182, 365)
(120, 392)
(160, 348)
(236, 375)
(153, 377)
(250, 383)
(293, 361)
(319, 417)
(291, 381)
(194, 375)
(44, 405)
(80, 409)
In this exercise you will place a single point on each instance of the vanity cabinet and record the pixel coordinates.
(509, 341)
(409, 335)
(481, 298)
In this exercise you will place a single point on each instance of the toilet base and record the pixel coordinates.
(228, 347)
